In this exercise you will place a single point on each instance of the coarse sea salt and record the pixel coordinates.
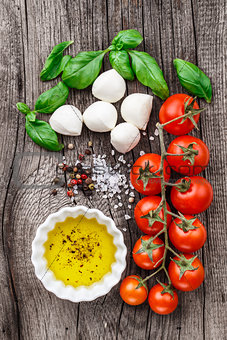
(109, 180)
(142, 153)
(151, 138)
(156, 132)
(127, 217)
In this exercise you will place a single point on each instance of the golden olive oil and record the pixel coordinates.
(79, 251)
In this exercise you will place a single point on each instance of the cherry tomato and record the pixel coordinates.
(191, 279)
(142, 209)
(149, 255)
(162, 303)
(193, 163)
(196, 199)
(130, 293)
(142, 169)
(174, 107)
(187, 241)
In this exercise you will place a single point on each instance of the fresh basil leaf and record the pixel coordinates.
(64, 62)
(120, 62)
(81, 71)
(149, 73)
(22, 107)
(127, 39)
(42, 134)
(31, 116)
(193, 79)
(52, 67)
(50, 100)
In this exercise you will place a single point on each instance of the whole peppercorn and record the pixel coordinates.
(81, 156)
(78, 176)
(69, 185)
(71, 146)
(75, 169)
(73, 181)
(61, 165)
(72, 175)
(79, 181)
(87, 152)
(91, 186)
(65, 168)
(83, 176)
(79, 186)
(85, 187)
(88, 181)
(87, 172)
(79, 166)
(56, 180)
(70, 193)
(54, 192)
(90, 144)
(69, 169)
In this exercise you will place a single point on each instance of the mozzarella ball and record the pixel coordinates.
(109, 86)
(124, 137)
(67, 120)
(100, 117)
(136, 109)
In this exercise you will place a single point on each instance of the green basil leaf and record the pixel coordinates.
(120, 62)
(31, 116)
(64, 62)
(81, 71)
(193, 79)
(22, 107)
(42, 134)
(52, 67)
(127, 39)
(50, 100)
(149, 73)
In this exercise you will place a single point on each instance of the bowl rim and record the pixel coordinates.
(81, 293)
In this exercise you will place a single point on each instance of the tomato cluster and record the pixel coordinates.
(190, 195)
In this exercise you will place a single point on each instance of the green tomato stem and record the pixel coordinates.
(177, 118)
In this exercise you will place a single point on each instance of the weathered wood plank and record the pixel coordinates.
(187, 29)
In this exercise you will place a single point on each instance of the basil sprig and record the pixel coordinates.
(127, 39)
(120, 62)
(50, 100)
(55, 62)
(193, 79)
(43, 135)
(149, 73)
(81, 71)
(23, 108)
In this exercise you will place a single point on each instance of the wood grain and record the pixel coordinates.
(189, 29)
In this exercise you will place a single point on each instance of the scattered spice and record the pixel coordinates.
(81, 156)
(131, 199)
(88, 152)
(90, 144)
(56, 180)
(71, 146)
(54, 192)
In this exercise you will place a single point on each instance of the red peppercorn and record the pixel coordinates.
(79, 181)
(81, 157)
(83, 176)
(70, 193)
(65, 168)
(73, 181)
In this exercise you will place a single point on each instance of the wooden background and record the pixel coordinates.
(190, 29)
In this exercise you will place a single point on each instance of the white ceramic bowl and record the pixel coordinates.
(82, 293)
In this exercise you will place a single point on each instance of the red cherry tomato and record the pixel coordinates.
(172, 108)
(187, 241)
(162, 303)
(186, 167)
(145, 252)
(196, 199)
(141, 169)
(191, 279)
(130, 293)
(142, 209)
